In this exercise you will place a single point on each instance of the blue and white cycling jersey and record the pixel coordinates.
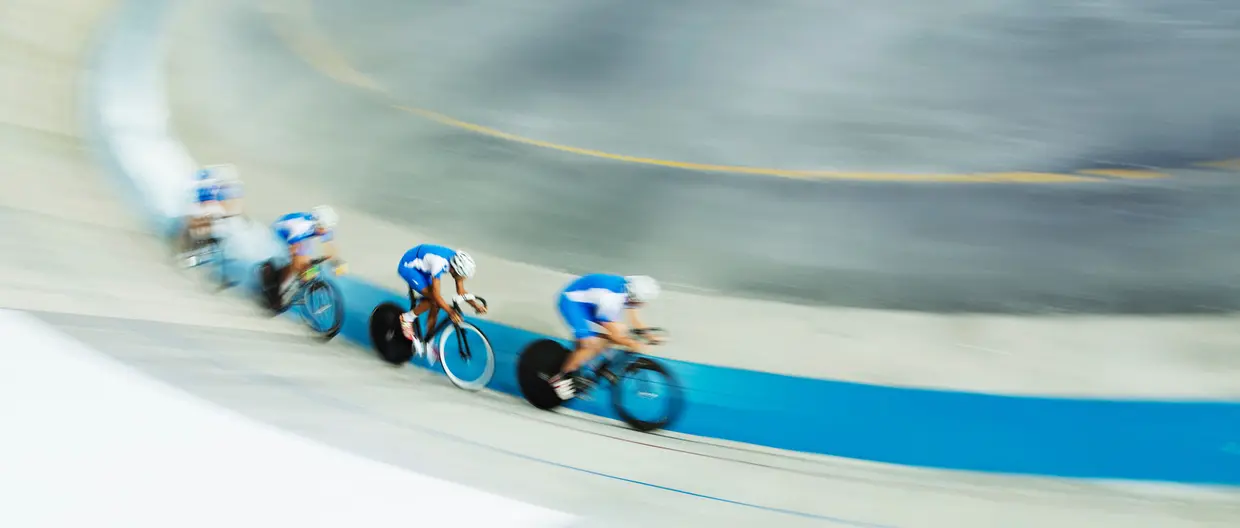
(295, 228)
(423, 263)
(208, 191)
(590, 300)
(213, 190)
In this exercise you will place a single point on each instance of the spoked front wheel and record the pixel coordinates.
(646, 395)
(322, 309)
(466, 355)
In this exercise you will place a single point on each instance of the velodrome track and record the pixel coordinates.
(132, 307)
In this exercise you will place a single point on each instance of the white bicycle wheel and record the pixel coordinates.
(480, 355)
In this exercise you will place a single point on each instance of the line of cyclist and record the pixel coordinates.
(595, 307)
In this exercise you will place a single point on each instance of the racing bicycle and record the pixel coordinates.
(473, 348)
(318, 301)
(542, 359)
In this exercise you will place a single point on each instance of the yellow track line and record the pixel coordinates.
(1031, 177)
(1125, 173)
(1231, 164)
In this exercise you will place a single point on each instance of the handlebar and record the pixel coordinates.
(456, 302)
(645, 334)
(339, 267)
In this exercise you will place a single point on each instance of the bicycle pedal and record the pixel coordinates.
(582, 387)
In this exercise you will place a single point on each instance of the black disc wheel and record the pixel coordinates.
(539, 361)
(386, 336)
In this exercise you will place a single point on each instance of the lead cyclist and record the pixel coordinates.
(592, 306)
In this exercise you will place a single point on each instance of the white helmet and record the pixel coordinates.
(463, 264)
(641, 288)
(324, 216)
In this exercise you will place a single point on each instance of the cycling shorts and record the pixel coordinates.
(578, 317)
(416, 279)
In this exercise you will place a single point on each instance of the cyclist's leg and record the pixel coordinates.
(587, 349)
(197, 223)
(208, 213)
(299, 260)
(588, 344)
(418, 303)
(185, 243)
(192, 227)
(197, 229)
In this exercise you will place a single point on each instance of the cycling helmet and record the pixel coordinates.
(463, 264)
(324, 216)
(641, 288)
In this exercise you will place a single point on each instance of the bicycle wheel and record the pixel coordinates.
(641, 413)
(268, 288)
(386, 337)
(464, 351)
(539, 361)
(322, 309)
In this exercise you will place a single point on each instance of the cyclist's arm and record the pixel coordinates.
(433, 291)
(327, 243)
(329, 249)
(609, 315)
(437, 302)
(233, 203)
(634, 319)
(460, 290)
(618, 333)
(638, 323)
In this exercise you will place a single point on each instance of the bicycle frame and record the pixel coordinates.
(460, 336)
(307, 278)
(616, 359)
(613, 359)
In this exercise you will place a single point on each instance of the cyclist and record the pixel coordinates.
(214, 198)
(592, 306)
(422, 267)
(298, 230)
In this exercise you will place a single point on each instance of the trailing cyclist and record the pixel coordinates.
(215, 197)
(592, 306)
(422, 267)
(298, 230)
